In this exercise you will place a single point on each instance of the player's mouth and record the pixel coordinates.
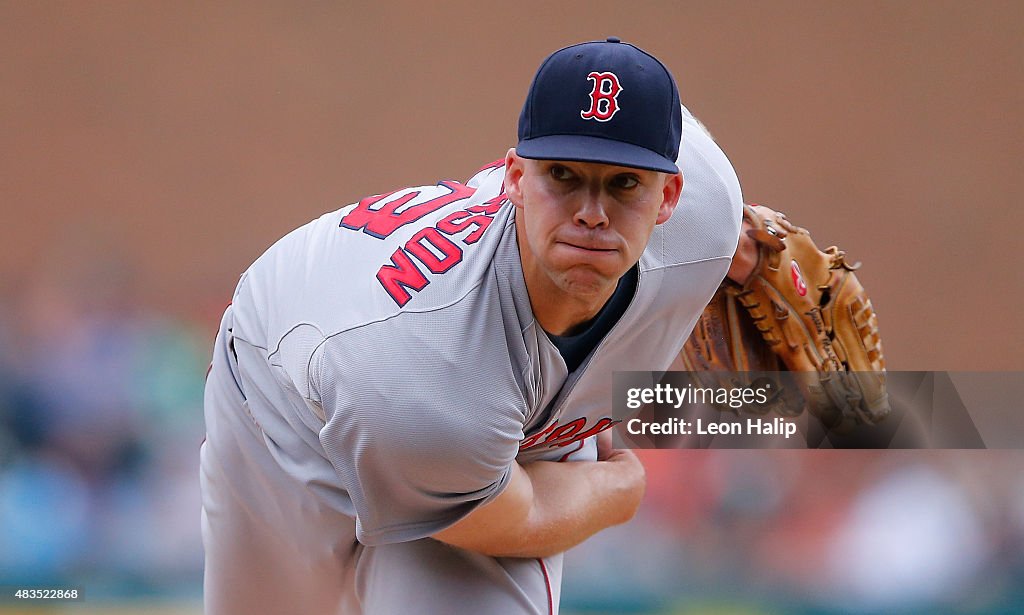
(589, 246)
(588, 250)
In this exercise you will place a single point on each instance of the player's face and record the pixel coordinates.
(585, 224)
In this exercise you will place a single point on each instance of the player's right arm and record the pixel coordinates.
(411, 463)
(549, 507)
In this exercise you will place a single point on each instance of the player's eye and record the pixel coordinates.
(560, 173)
(625, 181)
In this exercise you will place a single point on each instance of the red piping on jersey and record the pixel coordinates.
(547, 583)
(500, 162)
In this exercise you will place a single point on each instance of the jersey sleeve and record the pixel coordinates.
(706, 223)
(416, 448)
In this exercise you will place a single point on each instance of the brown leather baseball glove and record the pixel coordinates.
(801, 310)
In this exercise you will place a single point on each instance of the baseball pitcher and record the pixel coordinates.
(408, 407)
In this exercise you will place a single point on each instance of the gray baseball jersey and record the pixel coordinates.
(380, 370)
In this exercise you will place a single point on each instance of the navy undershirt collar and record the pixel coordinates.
(575, 348)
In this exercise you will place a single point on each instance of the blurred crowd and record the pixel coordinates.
(100, 427)
(101, 423)
(817, 532)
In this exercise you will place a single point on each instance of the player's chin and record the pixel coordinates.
(585, 281)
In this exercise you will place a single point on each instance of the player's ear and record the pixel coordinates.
(670, 197)
(514, 177)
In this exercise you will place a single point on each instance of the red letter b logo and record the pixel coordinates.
(603, 98)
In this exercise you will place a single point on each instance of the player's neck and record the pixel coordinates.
(562, 315)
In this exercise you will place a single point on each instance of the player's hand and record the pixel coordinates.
(745, 259)
(629, 476)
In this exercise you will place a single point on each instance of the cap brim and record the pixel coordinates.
(583, 148)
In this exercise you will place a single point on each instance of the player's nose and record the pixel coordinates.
(592, 212)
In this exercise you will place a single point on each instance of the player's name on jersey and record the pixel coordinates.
(776, 426)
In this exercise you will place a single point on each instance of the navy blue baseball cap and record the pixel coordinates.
(603, 101)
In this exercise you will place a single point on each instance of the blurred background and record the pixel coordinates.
(152, 150)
